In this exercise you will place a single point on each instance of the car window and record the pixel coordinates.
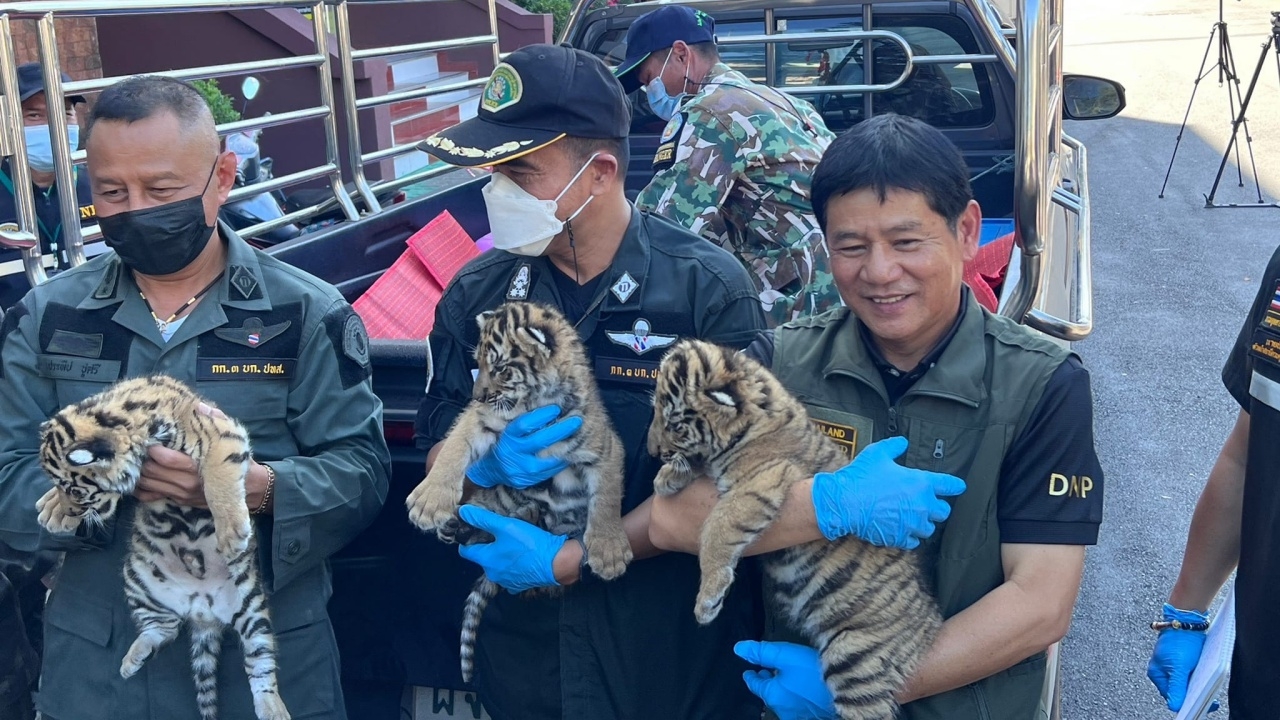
(946, 95)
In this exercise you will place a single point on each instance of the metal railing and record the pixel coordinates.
(1038, 180)
(13, 143)
(348, 55)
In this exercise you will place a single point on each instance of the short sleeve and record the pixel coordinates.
(761, 348)
(1051, 483)
(1238, 370)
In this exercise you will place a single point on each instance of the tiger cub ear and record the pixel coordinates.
(723, 396)
(483, 317)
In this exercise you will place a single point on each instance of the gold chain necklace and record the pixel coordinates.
(163, 325)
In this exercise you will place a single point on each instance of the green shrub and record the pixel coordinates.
(558, 9)
(222, 105)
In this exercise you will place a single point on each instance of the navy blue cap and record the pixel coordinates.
(537, 95)
(660, 30)
(31, 81)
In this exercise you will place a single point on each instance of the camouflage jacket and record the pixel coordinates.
(734, 166)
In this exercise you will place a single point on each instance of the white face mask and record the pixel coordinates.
(521, 223)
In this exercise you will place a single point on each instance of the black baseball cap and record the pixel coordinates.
(31, 81)
(538, 95)
(659, 30)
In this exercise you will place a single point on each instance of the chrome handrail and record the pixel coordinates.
(44, 12)
(352, 105)
(1080, 323)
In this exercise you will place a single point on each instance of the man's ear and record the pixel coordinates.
(224, 176)
(969, 230)
(605, 169)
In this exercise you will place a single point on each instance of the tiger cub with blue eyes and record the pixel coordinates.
(867, 609)
(529, 356)
(185, 565)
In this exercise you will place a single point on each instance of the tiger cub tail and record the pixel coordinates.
(477, 601)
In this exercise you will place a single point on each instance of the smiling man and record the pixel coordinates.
(917, 370)
(182, 296)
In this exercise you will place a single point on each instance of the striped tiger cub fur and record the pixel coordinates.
(529, 356)
(185, 564)
(867, 609)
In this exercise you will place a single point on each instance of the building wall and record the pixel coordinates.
(77, 45)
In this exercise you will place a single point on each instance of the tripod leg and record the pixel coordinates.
(1244, 123)
(1200, 74)
(1239, 119)
(1226, 62)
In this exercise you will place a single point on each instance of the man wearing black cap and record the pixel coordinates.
(734, 161)
(552, 123)
(35, 119)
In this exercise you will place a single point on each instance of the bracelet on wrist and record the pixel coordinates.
(1179, 625)
(266, 494)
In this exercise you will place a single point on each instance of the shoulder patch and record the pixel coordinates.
(665, 157)
(355, 340)
(518, 288)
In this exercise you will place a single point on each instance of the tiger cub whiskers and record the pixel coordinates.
(529, 356)
(185, 565)
(867, 609)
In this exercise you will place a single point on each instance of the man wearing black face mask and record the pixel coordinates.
(552, 124)
(269, 345)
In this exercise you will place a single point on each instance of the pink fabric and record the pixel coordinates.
(987, 271)
(401, 305)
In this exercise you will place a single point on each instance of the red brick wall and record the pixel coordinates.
(77, 45)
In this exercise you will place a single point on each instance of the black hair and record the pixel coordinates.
(894, 152)
(141, 97)
(706, 51)
(581, 148)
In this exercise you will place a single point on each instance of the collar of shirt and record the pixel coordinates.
(952, 369)
(930, 358)
(241, 287)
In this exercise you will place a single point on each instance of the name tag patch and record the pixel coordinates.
(1272, 318)
(1265, 346)
(61, 367)
(242, 369)
(626, 370)
(851, 433)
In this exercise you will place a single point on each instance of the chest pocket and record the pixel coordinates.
(77, 378)
(952, 449)
(247, 366)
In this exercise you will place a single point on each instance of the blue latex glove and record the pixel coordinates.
(514, 460)
(520, 557)
(1175, 656)
(881, 501)
(793, 687)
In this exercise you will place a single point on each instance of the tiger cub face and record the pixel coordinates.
(91, 457)
(517, 353)
(707, 400)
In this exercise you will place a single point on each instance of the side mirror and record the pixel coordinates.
(249, 88)
(1091, 98)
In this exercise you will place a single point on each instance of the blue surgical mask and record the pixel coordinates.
(660, 101)
(40, 146)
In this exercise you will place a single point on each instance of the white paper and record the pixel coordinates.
(1215, 661)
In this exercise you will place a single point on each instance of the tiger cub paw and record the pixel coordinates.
(269, 706)
(670, 481)
(449, 530)
(431, 507)
(233, 536)
(55, 512)
(711, 595)
(608, 553)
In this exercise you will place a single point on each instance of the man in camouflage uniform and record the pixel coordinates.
(734, 161)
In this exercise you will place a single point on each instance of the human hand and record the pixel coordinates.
(1175, 656)
(521, 556)
(792, 686)
(170, 474)
(514, 460)
(880, 501)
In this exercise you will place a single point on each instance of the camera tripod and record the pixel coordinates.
(1225, 65)
(1273, 42)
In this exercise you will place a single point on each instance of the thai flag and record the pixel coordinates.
(1275, 299)
(254, 337)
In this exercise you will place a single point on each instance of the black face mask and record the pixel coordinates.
(159, 240)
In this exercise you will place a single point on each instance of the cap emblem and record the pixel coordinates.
(504, 89)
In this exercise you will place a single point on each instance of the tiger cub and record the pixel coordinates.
(184, 564)
(868, 609)
(529, 356)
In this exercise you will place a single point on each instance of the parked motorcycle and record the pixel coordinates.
(252, 168)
